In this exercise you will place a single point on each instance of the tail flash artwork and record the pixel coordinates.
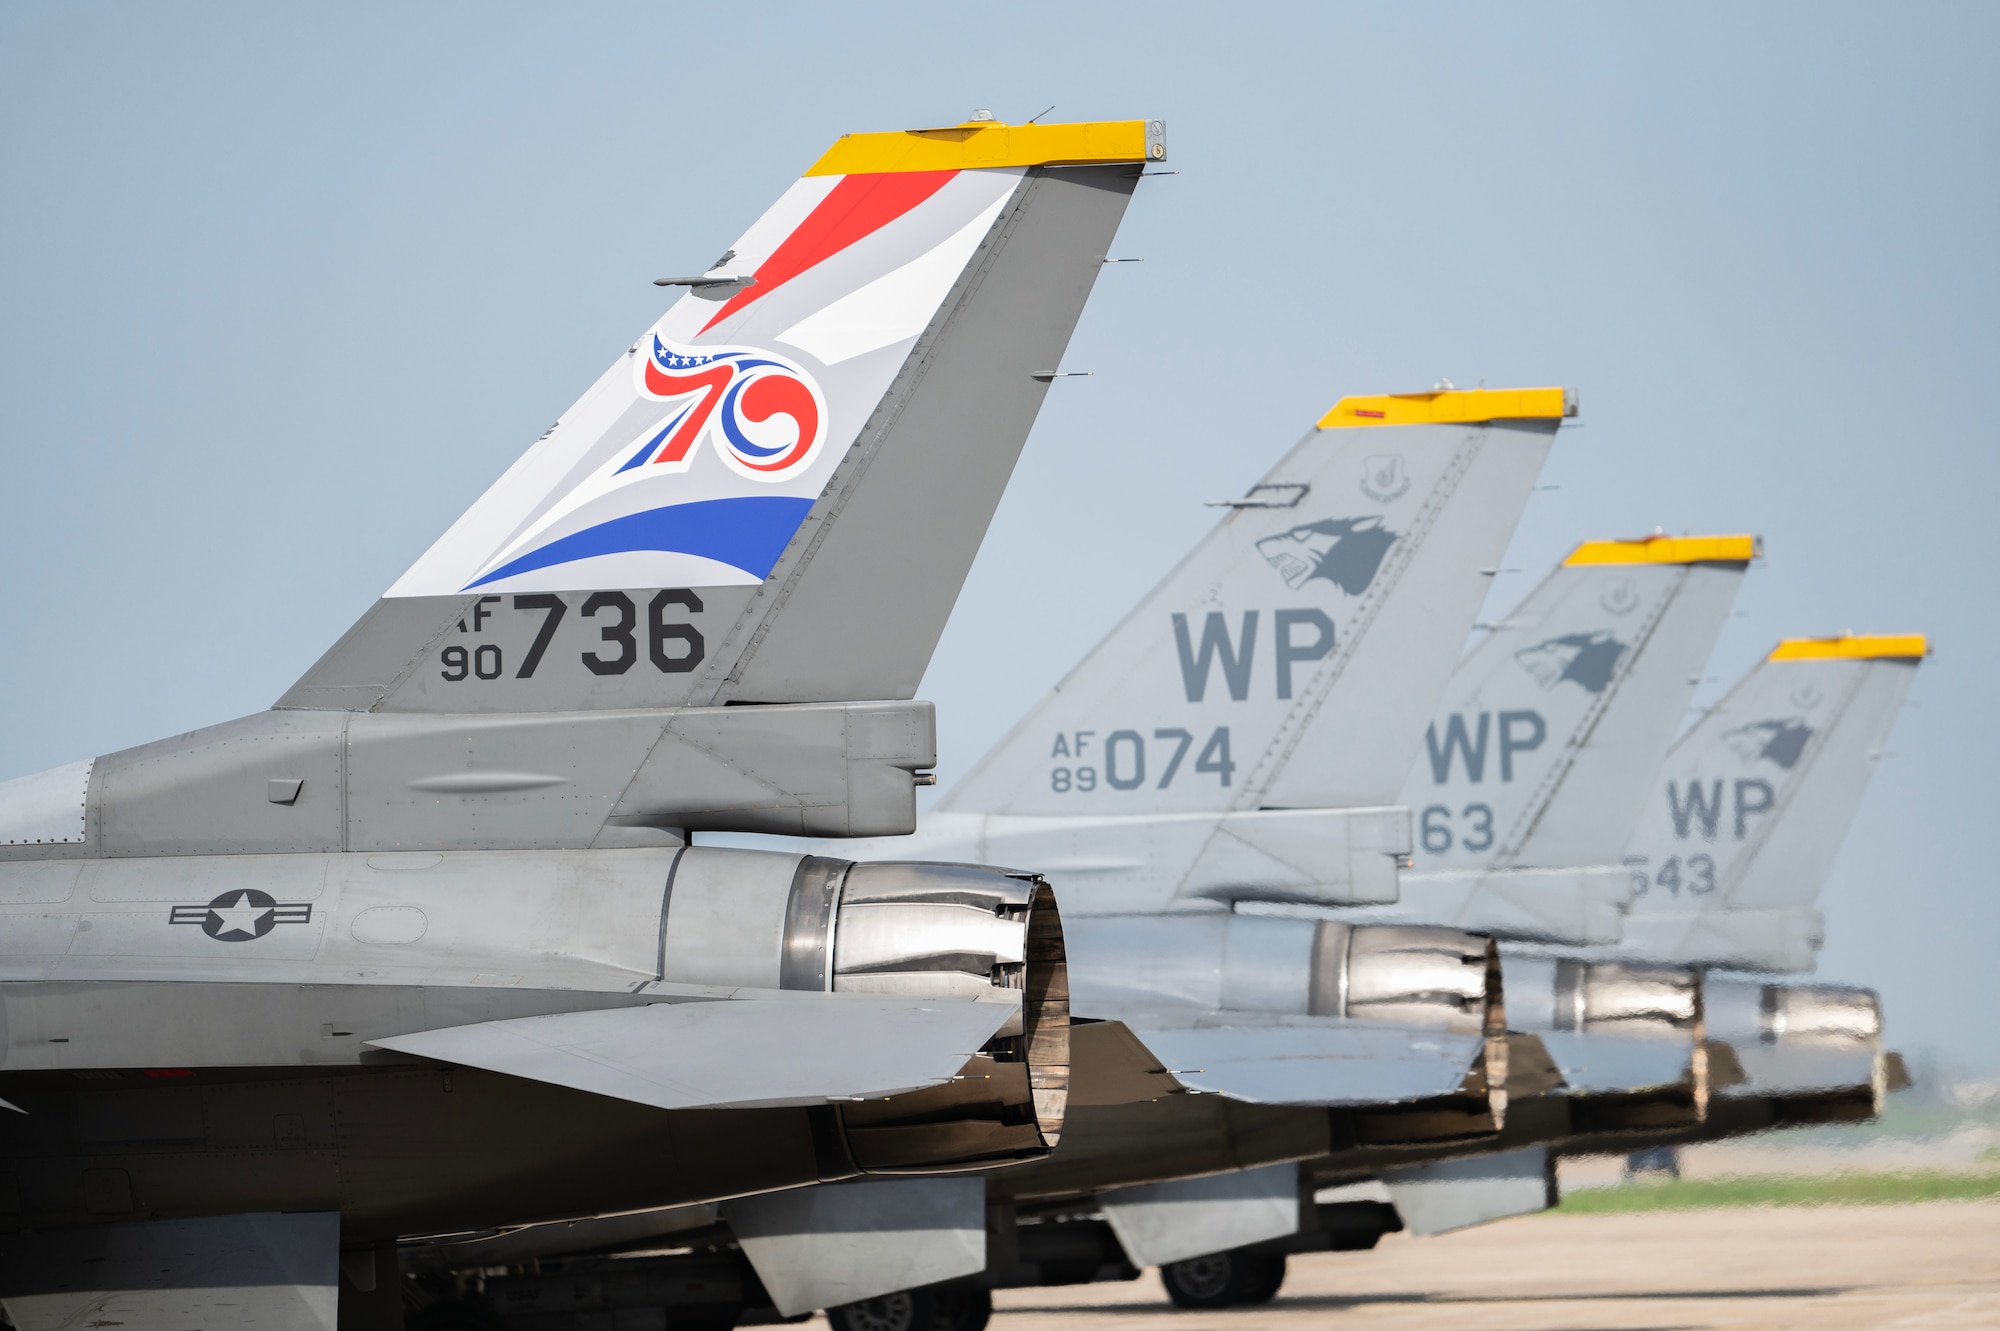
(754, 455)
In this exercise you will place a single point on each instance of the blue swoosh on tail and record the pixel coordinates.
(748, 533)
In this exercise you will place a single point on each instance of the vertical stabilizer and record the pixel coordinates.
(774, 493)
(1542, 749)
(1532, 773)
(1745, 818)
(1293, 656)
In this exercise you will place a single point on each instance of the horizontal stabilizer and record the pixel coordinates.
(1317, 1063)
(790, 1050)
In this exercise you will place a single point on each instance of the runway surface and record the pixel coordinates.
(1935, 1265)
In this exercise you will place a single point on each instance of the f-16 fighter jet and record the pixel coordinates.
(1161, 784)
(424, 948)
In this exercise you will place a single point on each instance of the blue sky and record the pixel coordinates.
(287, 288)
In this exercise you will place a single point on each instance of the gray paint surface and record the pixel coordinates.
(1597, 665)
(1313, 1062)
(1453, 1194)
(1751, 805)
(820, 1247)
(1169, 1222)
(862, 619)
(226, 1273)
(1613, 1063)
(808, 1049)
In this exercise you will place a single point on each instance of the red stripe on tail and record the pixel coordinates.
(858, 206)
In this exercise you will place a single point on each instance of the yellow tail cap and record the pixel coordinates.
(1669, 550)
(1452, 406)
(988, 143)
(1853, 647)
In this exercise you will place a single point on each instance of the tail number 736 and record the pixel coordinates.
(674, 647)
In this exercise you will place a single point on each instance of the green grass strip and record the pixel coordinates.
(1926, 1185)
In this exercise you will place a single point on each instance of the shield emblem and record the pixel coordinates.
(1620, 597)
(1383, 477)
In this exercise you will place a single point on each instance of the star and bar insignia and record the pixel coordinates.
(242, 915)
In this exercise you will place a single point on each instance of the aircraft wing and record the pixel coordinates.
(742, 1053)
(1322, 1063)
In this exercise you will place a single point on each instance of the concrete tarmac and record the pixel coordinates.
(1935, 1265)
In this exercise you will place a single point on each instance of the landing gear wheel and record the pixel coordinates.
(1205, 1282)
(1263, 1273)
(962, 1309)
(905, 1310)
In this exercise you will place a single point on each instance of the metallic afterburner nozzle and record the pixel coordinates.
(956, 932)
(948, 928)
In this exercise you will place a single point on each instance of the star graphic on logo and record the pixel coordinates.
(246, 916)
(242, 915)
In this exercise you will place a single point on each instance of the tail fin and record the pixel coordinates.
(1543, 750)
(1753, 802)
(775, 493)
(1320, 617)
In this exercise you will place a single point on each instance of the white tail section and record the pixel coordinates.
(851, 380)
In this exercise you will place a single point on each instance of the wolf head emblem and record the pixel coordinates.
(1585, 659)
(1782, 741)
(1347, 552)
